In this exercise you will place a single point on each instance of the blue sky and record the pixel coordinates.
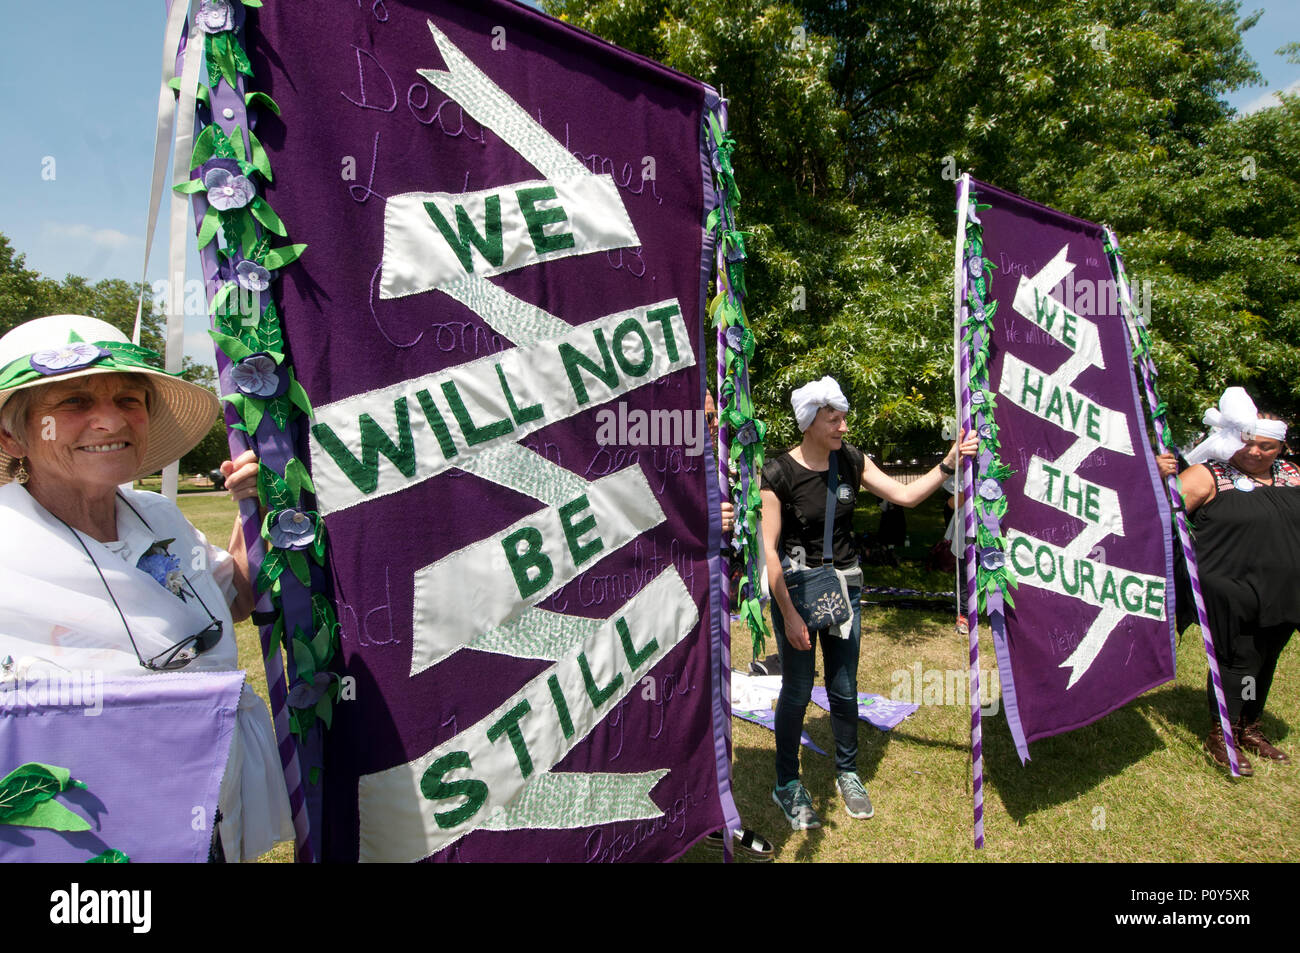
(96, 125)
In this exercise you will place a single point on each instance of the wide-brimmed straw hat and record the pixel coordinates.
(63, 346)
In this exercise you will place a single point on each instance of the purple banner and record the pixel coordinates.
(499, 322)
(1086, 526)
(151, 753)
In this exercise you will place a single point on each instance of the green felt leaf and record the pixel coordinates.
(110, 856)
(279, 410)
(322, 646)
(240, 57)
(274, 490)
(260, 158)
(298, 396)
(252, 3)
(325, 709)
(210, 60)
(271, 569)
(247, 230)
(208, 227)
(298, 563)
(236, 143)
(47, 814)
(200, 91)
(266, 215)
(257, 97)
(222, 147)
(190, 186)
(304, 663)
(30, 783)
(232, 347)
(297, 477)
(279, 257)
(203, 145)
(222, 294)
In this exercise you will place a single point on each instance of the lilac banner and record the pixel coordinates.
(499, 322)
(150, 751)
(1086, 527)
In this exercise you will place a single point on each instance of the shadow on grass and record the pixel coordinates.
(1063, 767)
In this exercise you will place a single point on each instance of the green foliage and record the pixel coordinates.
(851, 120)
(26, 294)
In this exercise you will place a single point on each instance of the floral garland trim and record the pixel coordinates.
(225, 168)
(993, 581)
(735, 405)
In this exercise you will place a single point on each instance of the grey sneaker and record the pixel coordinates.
(796, 805)
(856, 802)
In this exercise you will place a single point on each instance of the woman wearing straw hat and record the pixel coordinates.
(94, 576)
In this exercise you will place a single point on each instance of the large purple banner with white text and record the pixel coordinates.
(499, 322)
(1086, 530)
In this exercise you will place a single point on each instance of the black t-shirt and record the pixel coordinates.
(802, 493)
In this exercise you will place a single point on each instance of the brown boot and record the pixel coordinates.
(1218, 751)
(1252, 739)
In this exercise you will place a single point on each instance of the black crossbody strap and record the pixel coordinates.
(832, 484)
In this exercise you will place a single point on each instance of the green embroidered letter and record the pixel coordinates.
(574, 360)
(433, 787)
(488, 244)
(439, 426)
(526, 558)
(522, 415)
(473, 433)
(598, 696)
(364, 473)
(574, 531)
(632, 326)
(536, 218)
(561, 706)
(508, 724)
(634, 658)
(665, 318)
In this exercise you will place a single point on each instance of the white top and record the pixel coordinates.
(56, 611)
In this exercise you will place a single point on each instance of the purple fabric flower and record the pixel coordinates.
(252, 276)
(977, 308)
(977, 397)
(227, 191)
(976, 265)
(305, 694)
(215, 16)
(986, 431)
(990, 489)
(293, 529)
(258, 376)
(57, 360)
(993, 559)
(747, 434)
(735, 336)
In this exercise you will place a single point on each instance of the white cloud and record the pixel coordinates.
(1268, 100)
(109, 238)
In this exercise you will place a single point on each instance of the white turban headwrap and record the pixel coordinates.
(1231, 424)
(810, 398)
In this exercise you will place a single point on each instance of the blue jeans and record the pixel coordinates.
(840, 661)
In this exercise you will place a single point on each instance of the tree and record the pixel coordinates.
(849, 117)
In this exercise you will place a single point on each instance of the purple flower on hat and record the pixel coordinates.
(215, 16)
(293, 529)
(227, 191)
(252, 276)
(57, 360)
(257, 376)
(993, 559)
(990, 489)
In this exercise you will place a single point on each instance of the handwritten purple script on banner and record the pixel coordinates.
(499, 322)
(1087, 528)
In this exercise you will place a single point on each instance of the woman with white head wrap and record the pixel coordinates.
(1246, 514)
(795, 489)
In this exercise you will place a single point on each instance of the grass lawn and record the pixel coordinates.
(1134, 786)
